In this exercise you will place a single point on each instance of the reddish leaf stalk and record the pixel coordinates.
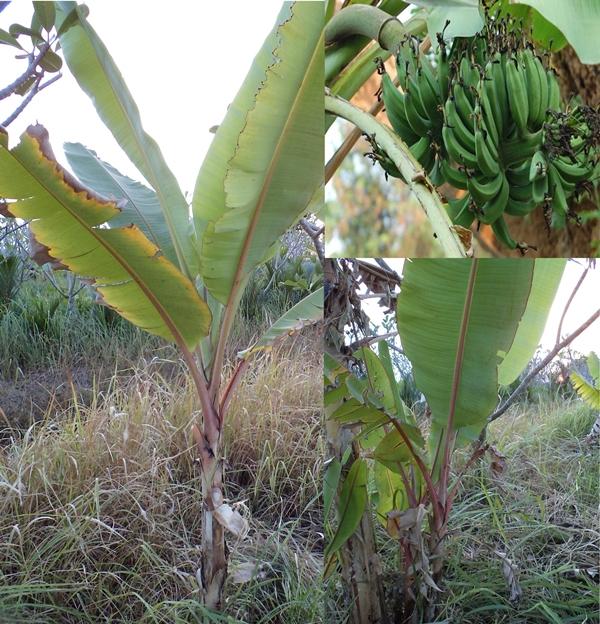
(412, 497)
(458, 363)
(423, 469)
(236, 377)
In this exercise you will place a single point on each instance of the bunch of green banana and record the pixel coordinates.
(415, 113)
(486, 117)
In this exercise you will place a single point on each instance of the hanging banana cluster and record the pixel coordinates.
(486, 117)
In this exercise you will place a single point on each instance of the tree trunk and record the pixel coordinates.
(214, 555)
(213, 558)
(362, 575)
(575, 241)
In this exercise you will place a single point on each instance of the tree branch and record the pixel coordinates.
(526, 381)
(13, 86)
(315, 235)
(567, 305)
(35, 89)
(369, 340)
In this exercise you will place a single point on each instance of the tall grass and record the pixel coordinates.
(38, 331)
(100, 506)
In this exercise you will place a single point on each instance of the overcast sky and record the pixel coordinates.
(586, 302)
(183, 62)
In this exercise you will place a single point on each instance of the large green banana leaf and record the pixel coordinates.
(97, 74)
(138, 203)
(306, 312)
(454, 317)
(578, 20)
(253, 186)
(130, 272)
(546, 279)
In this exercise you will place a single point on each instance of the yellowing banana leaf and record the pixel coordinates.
(138, 203)
(351, 505)
(306, 312)
(129, 271)
(97, 74)
(593, 364)
(454, 317)
(546, 279)
(586, 391)
(274, 165)
(589, 392)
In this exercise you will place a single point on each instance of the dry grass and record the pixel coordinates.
(99, 514)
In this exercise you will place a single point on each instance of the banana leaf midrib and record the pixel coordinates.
(129, 270)
(460, 349)
(294, 111)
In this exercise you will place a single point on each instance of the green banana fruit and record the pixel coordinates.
(455, 177)
(420, 148)
(539, 189)
(532, 80)
(489, 118)
(485, 160)
(538, 167)
(553, 92)
(461, 131)
(517, 94)
(459, 211)
(454, 148)
(502, 233)
(483, 191)
(493, 209)
(519, 208)
(520, 193)
(394, 107)
(518, 175)
(560, 208)
(419, 125)
(572, 172)
(486, 117)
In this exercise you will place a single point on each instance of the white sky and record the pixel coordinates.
(183, 62)
(586, 302)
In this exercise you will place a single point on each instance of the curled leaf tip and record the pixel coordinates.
(42, 137)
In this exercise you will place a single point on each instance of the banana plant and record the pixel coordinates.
(463, 324)
(175, 274)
